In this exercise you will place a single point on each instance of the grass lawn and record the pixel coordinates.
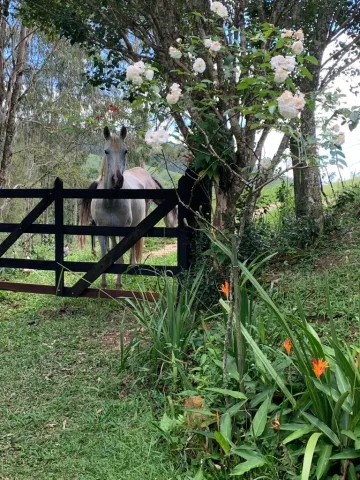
(67, 408)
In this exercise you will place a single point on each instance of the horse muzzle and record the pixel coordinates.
(118, 180)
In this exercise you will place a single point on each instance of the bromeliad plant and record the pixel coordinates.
(170, 322)
(325, 416)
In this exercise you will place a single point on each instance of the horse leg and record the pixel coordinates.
(103, 245)
(119, 261)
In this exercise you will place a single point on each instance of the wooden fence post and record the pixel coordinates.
(59, 237)
(195, 196)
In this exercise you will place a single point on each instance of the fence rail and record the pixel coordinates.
(191, 195)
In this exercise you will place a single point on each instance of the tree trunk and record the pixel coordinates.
(307, 181)
(10, 109)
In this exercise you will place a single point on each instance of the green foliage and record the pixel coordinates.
(170, 322)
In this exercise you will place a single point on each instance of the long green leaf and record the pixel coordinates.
(342, 382)
(323, 462)
(199, 475)
(298, 434)
(309, 453)
(230, 393)
(245, 467)
(346, 455)
(224, 444)
(267, 365)
(323, 428)
(260, 419)
(225, 426)
(335, 420)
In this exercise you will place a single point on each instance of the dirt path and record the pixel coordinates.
(169, 248)
(268, 208)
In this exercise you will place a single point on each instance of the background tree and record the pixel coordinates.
(329, 25)
(224, 106)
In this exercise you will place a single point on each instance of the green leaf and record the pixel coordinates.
(167, 423)
(304, 71)
(323, 428)
(350, 434)
(335, 420)
(272, 109)
(199, 475)
(312, 60)
(267, 365)
(309, 453)
(224, 444)
(260, 419)
(230, 393)
(225, 426)
(346, 454)
(298, 434)
(342, 382)
(246, 453)
(245, 467)
(323, 462)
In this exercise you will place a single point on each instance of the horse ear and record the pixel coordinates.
(123, 133)
(107, 133)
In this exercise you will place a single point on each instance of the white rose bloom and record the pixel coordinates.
(287, 34)
(174, 52)
(299, 101)
(290, 105)
(207, 42)
(172, 98)
(179, 40)
(132, 72)
(150, 138)
(299, 35)
(149, 75)
(162, 136)
(219, 9)
(199, 65)
(215, 46)
(175, 87)
(297, 47)
(287, 63)
(340, 139)
(175, 93)
(281, 75)
(140, 66)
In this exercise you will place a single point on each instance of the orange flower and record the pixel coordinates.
(287, 345)
(225, 288)
(319, 367)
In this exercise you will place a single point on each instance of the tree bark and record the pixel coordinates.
(307, 181)
(11, 106)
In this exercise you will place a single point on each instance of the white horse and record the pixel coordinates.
(120, 212)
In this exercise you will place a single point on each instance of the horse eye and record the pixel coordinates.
(106, 152)
(126, 152)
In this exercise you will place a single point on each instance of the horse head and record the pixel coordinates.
(114, 161)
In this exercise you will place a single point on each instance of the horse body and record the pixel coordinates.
(120, 212)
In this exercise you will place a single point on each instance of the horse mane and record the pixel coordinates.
(115, 140)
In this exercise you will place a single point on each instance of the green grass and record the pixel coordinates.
(332, 263)
(67, 409)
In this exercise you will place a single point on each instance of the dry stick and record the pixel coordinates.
(239, 338)
(227, 336)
